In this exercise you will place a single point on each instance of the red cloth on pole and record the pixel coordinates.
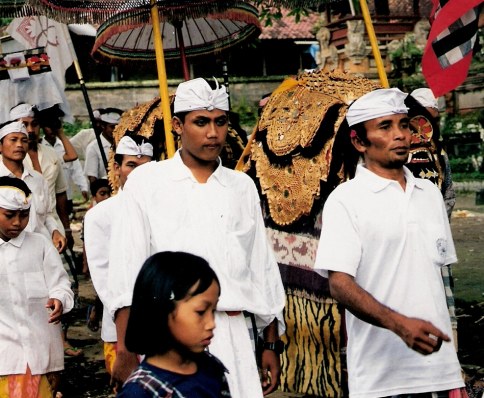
(448, 53)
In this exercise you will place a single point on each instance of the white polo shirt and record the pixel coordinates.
(93, 165)
(393, 242)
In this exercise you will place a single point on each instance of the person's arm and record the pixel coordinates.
(71, 153)
(126, 361)
(61, 208)
(270, 361)
(417, 334)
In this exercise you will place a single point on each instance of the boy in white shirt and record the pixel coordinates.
(34, 292)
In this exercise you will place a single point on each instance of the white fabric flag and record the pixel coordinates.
(41, 31)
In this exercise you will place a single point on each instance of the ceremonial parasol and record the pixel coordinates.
(117, 40)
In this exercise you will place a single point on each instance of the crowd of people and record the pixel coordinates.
(188, 284)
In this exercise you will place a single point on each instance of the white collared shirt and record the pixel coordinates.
(72, 170)
(31, 272)
(93, 165)
(393, 242)
(97, 235)
(42, 218)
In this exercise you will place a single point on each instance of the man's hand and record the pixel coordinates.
(124, 364)
(56, 307)
(271, 371)
(421, 335)
(59, 241)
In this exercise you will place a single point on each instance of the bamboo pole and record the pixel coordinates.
(374, 44)
(162, 80)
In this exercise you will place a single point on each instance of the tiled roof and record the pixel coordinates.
(288, 28)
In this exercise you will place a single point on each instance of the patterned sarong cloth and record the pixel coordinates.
(26, 386)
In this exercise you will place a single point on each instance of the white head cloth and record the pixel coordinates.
(378, 103)
(20, 111)
(111, 117)
(13, 198)
(127, 146)
(96, 114)
(196, 94)
(426, 97)
(13, 127)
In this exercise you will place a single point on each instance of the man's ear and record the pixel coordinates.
(358, 144)
(177, 125)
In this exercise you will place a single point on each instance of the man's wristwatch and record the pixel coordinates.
(276, 346)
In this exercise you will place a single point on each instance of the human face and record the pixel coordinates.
(388, 142)
(33, 128)
(202, 135)
(192, 321)
(108, 131)
(128, 164)
(12, 222)
(14, 147)
(102, 194)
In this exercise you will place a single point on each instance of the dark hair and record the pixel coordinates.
(164, 278)
(51, 117)
(138, 139)
(15, 182)
(96, 185)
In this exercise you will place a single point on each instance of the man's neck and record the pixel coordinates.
(49, 139)
(396, 174)
(15, 167)
(200, 170)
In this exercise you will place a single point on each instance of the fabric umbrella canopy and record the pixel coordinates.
(119, 41)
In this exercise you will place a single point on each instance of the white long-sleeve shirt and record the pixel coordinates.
(97, 234)
(42, 210)
(93, 165)
(31, 272)
(164, 208)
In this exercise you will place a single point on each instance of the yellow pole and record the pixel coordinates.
(163, 83)
(374, 44)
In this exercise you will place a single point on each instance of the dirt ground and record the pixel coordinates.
(86, 376)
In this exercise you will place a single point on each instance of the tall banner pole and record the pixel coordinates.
(162, 79)
(374, 44)
(80, 77)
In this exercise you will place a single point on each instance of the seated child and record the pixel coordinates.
(171, 322)
(34, 292)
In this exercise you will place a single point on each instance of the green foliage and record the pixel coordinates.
(472, 176)
(248, 113)
(461, 165)
(72, 129)
(466, 123)
(268, 12)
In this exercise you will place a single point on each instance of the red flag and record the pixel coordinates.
(448, 53)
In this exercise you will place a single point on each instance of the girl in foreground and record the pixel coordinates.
(172, 322)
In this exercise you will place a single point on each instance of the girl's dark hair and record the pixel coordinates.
(96, 185)
(15, 182)
(164, 278)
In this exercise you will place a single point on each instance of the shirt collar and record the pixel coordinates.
(4, 171)
(377, 183)
(17, 242)
(180, 171)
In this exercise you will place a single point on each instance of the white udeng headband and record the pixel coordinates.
(13, 198)
(426, 97)
(378, 103)
(127, 146)
(13, 127)
(111, 117)
(20, 111)
(197, 94)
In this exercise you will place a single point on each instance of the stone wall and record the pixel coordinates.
(125, 95)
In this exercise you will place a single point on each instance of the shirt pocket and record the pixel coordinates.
(436, 243)
(35, 285)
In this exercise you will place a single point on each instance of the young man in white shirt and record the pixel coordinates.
(384, 237)
(131, 152)
(192, 203)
